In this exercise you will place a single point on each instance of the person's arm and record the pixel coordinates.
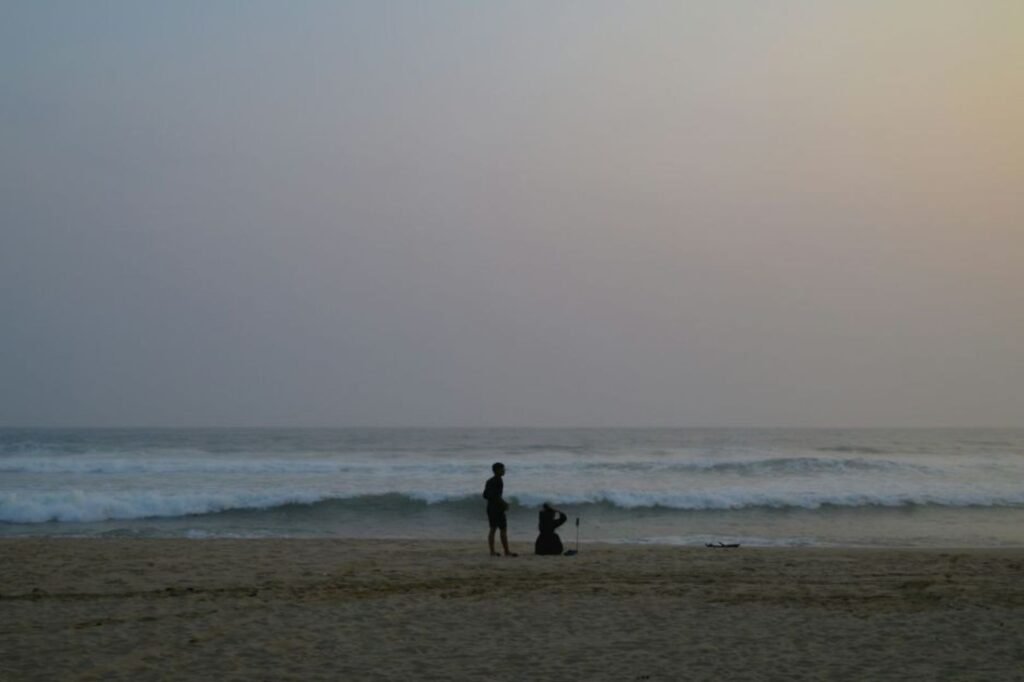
(562, 518)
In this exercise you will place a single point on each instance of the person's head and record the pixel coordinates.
(498, 468)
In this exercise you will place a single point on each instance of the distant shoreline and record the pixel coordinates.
(460, 545)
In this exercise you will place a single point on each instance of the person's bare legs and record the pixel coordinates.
(490, 541)
(504, 542)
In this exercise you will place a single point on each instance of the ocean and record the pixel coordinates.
(757, 487)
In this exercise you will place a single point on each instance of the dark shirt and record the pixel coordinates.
(548, 541)
(547, 523)
(492, 493)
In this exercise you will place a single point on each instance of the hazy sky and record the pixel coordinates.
(792, 213)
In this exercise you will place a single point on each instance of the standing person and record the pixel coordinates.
(496, 507)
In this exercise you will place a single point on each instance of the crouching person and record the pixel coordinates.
(548, 541)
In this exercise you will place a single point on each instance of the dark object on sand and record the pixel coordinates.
(548, 541)
(720, 544)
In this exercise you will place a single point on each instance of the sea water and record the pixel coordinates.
(671, 486)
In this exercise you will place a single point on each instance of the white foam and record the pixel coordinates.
(91, 505)
(743, 498)
(81, 506)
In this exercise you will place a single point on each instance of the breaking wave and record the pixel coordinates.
(81, 506)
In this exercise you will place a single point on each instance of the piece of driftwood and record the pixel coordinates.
(720, 544)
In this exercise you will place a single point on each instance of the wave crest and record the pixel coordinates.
(79, 506)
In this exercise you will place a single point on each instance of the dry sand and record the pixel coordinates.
(394, 610)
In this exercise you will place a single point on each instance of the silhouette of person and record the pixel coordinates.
(496, 508)
(548, 520)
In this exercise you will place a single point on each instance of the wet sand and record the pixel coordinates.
(390, 610)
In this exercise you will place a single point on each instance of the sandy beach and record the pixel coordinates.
(388, 610)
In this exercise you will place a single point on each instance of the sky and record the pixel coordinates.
(462, 213)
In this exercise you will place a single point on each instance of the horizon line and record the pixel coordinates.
(411, 427)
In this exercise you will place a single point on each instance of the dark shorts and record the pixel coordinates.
(496, 518)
